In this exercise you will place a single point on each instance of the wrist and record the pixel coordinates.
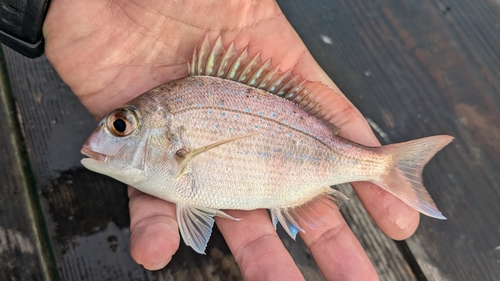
(21, 25)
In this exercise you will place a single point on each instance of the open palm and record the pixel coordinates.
(109, 52)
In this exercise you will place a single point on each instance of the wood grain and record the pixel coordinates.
(24, 253)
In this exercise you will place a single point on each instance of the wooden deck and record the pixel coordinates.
(414, 68)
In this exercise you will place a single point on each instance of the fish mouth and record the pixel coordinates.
(94, 155)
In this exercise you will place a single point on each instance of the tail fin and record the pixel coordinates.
(404, 179)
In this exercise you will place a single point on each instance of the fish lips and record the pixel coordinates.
(93, 155)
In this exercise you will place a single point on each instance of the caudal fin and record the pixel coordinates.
(404, 179)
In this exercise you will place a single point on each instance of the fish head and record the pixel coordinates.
(118, 146)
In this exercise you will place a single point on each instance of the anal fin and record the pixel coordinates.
(287, 218)
(294, 219)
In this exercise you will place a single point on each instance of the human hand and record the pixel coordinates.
(109, 52)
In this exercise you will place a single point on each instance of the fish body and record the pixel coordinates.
(291, 159)
(208, 143)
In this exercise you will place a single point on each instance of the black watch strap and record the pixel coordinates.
(21, 24)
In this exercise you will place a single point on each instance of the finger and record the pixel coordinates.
(257, 248)
(394, 217)
(154, 236)
(335, 248)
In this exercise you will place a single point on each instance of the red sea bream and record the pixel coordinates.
(239, 134)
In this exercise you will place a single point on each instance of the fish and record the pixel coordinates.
(238, 133)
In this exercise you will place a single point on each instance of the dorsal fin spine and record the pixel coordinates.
(192, 65)
(294, 92)
(277, 84)
(219, 51)
(236, 65)
(302, 97)
(212, 61)
(210, 67)
(255, 79)
(267, 80)
(291, 94)
(202, 56)
(222, 71)
(244, 76)
(281, 92)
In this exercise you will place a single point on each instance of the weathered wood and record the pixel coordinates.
(419, 68)
(24, 255)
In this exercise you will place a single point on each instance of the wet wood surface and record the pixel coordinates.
(23, 255)
(413, 68)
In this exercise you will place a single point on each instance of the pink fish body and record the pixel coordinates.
(237, 134)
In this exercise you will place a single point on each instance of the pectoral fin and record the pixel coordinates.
(195, 225)
(184, 157)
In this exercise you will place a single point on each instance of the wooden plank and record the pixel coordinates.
(419, 68)
(22, 252)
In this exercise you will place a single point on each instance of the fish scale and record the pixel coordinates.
(258, 164)
(236, 97)
(240, 134)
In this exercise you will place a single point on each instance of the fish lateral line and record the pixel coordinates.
(184, 157)
(289, 127)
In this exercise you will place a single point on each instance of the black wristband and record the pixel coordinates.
(21, 24)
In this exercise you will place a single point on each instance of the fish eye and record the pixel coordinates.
(120, 125)
(123, 121)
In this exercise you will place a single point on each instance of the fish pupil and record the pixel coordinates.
(120, 125)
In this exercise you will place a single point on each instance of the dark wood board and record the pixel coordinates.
(24, 253)
(414, 68)
(419, 68)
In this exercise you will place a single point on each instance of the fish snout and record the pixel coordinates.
(93, 154)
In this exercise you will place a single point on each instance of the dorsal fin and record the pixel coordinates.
(250, 70)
